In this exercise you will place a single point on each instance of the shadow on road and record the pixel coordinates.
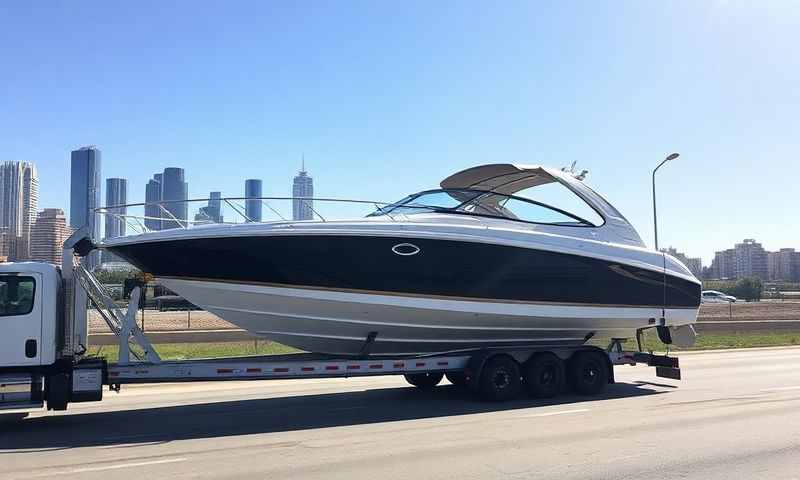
(244, 417)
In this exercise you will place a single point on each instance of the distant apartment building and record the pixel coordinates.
(165, 197)
(48, 235)
(212, 213)
(695, 265)
(84, 195)
(19, 200)
(252, 208)
(724, 265)
(784, 265)
(751, 259)
(302, 188)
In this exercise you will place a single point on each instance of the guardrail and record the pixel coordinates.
(169, 214)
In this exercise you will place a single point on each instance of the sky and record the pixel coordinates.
(388, 98)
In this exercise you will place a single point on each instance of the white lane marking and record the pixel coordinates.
(561, 412)
(109, 467)
(775, 389)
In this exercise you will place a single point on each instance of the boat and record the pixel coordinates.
(480, 262)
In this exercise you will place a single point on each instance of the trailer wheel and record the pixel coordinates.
(424, 380)
(500, 379)
(459, 379)
(544, 375)
(588, 373)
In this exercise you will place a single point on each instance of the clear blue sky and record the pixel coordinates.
(386, 98)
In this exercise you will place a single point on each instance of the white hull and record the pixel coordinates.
(336, 322)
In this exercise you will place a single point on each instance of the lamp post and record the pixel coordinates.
(671, 156)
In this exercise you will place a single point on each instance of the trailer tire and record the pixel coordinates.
(424, 380)
(588, 373)
(544, 375)
(459, 379)
(500, 379)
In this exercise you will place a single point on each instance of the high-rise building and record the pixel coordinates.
(695, 265)
(116, 194)
(174, 193)
(5, 244)
(724, 264)
(252, 208)
(751, 259)
(152, 197)
(165, 197)
(85, 189)
(48, 235)
(84, 195)
(19, 200)
(784, 265)
(302, 188)
(213, 212)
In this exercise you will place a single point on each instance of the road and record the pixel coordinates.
(736, 414)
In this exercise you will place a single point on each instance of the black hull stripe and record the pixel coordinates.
(441, 268)
(420, 295)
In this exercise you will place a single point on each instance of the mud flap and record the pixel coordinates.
(668, 372)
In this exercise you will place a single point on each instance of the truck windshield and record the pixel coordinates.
(16, 295)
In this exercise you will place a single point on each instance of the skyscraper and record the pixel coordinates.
(252, 208)
(213, 212)
(48, 235)
(166, 194)
(303, 187)
(174, 193)
(116, 194)
(152, 211)
(84, 195)
(19, 200)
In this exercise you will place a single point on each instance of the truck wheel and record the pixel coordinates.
(588, 373)
(544, 375)
(500, 379)
(456, 378)
(424, 380)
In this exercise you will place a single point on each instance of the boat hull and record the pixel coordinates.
(339, 322)
(327, 293)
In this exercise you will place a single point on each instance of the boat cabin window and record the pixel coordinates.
(557, 195)
(491, 204)
(16, 295)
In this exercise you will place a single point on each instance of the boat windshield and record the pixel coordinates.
(482, 203)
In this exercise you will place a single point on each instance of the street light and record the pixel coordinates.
(671, 156)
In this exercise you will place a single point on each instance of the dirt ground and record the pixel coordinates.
(200, 320)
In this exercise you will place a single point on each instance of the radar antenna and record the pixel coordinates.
(571, 171)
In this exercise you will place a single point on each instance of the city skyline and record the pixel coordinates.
(782, 262)
(536, 84)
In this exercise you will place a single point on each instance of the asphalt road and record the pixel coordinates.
(735, 415)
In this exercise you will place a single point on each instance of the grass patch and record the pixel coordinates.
(710, 341)
(186, 351)
(716, 341)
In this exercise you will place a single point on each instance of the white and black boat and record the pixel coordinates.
(469, 265)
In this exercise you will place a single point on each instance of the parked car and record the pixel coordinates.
(713, 296)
